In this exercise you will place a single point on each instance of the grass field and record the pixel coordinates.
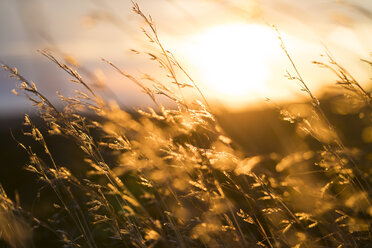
(87, 173)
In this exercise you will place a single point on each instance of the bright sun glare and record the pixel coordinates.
(234, 61)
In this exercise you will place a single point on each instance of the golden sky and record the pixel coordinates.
(227, 46)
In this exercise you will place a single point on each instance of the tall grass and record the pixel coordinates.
(171, 178)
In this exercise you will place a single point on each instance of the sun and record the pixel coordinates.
(234, 61)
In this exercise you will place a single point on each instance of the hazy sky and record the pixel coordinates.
(91, 29)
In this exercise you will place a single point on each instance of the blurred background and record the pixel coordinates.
(227, 46)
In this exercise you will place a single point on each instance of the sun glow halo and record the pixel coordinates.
(234, 60)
